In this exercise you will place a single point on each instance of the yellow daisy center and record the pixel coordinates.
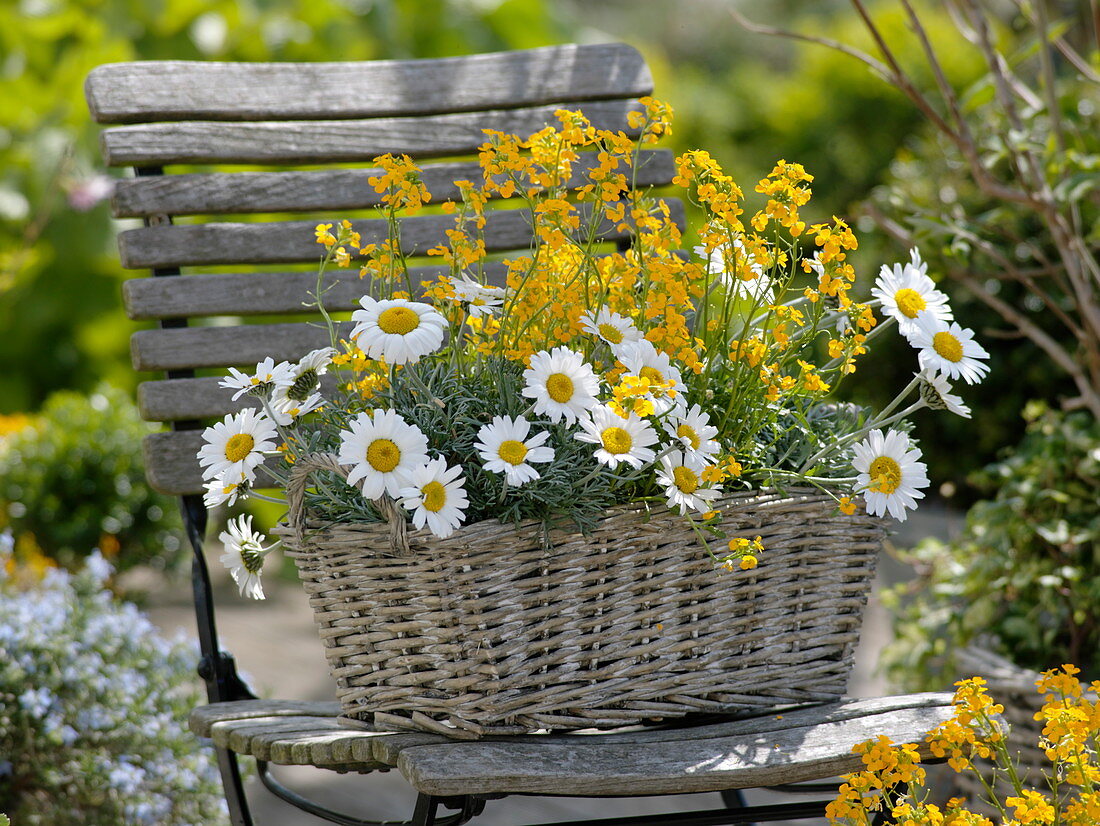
(910, 302)
(559, 387)
(611, 333)
(685, 479)
(435, 496)
(616, 440)
(398, 320)
(885, 475)
(686, 431)
(239, 446)
(947, 346)
(653, 374)
(512, 452)
(383, 455)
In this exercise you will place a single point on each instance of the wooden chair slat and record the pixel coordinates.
(187, 347)
(260, 293)
(171, 466)
(286, 242)
(790, 755)
(203, 717)
(179, 90)
(345, 141)
(389, 749)
(331, 189)
(173, 400)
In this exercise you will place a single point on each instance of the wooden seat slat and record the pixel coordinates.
(287, 242)
(181, 90)
(214, 193)
(345, 141)
(790, 755)
(784, 746)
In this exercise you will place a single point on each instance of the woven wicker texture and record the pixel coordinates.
(491, 632)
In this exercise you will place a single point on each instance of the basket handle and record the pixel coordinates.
(296, 500)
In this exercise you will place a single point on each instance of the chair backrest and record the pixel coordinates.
(284, 116)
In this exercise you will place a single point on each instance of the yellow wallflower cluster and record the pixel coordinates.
(744, 554)
(1071, 739)
(785, 190)
(399, 184)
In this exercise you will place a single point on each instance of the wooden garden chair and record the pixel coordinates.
(327, 116)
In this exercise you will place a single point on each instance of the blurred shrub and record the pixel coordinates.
(91, 700)
(1024, 569)
(59, 271)
(73, 480)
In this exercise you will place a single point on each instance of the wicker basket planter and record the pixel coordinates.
(491, 632)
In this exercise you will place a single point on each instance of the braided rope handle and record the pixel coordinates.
(296, 500)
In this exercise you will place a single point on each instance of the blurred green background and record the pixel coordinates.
(747, 98)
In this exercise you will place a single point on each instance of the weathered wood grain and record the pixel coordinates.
(790, 755)
(262, 293)
(335, 141)
(181, 348)
(217, 193)
(203, 717)
(175, 400)
(180, 90)
(171, 465)
(293, 241)
(389, 749)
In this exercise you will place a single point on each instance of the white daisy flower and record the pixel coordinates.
(889, 474)
(286, 409)
(397, 330)
(436, 496)
(935, 392)
(757, 289)
(235, 446)
(641, 358)
(611, 327)
(260, 383)
(562, 384)
(505, 448)
(224, 491)
(244, 555)
(480, 299)
(906, 290)
(692, 428)
(948, 349)
(681, 477)
(382, 448)
(304, 378)
(621, 440)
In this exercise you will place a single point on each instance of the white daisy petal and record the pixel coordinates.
(505, 448)
(236, 445)
(621, 441)
(681, 474)
(399, 331)
(244, 555)
(936, 393)
(889, 473)
(268, 374)
(562, 384)
(948, 349)
(479, 299)
(906, 290)
(382, 449)
(611, 327)
(227, 489)
(692, 429)
(641, 358)
(436, 496)
(723, 261)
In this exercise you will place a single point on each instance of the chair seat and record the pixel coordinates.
(784, 746)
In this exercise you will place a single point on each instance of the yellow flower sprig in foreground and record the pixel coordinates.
(1068, 794)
